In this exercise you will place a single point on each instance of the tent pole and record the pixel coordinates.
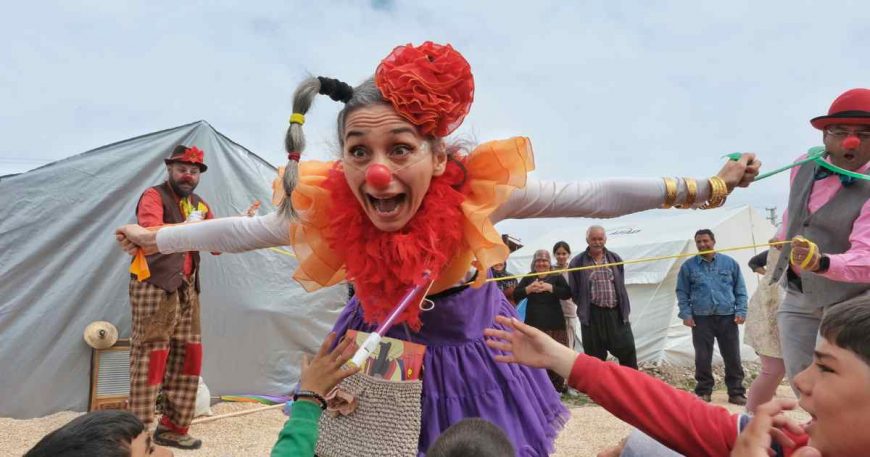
(245, 412)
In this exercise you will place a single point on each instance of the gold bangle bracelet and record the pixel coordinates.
(718, 193)
(722, 192)
(670, 192)
(691, 193)
(714, 195)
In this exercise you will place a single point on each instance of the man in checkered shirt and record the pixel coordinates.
(602, 301)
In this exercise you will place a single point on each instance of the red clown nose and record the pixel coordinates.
(851, 142)
(378, 176)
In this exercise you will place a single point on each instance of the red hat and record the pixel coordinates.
(852, 107)
(192, 155)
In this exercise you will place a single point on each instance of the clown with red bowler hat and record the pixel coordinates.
(828, 221)
(166, 344)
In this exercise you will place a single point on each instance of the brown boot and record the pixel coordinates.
(165, 437)
(737, 399)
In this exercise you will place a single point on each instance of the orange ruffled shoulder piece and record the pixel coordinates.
(495, 169)
(319, 266)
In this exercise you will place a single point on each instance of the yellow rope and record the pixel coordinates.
(812, 251)
(607, 265)
(283, 251)
(646, 259)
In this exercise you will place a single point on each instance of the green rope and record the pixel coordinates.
(815, 154)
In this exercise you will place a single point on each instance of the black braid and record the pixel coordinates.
(335, 89)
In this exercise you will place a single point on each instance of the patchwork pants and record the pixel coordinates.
(165, 349)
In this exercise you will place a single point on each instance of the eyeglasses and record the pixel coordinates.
(839, 133)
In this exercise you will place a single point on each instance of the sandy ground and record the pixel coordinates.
(254, 434)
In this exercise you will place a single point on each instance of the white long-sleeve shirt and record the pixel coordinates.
(602, 198)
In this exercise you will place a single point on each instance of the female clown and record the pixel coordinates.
(402, 199)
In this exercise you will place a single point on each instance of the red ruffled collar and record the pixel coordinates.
(386, 264)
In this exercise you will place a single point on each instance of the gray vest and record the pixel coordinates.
(829, 227)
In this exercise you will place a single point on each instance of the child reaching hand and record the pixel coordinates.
(319, 376)
(835, 391)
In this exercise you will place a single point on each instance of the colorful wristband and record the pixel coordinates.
(310, 394)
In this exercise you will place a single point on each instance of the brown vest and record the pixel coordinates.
(167, 270)
(829, 227)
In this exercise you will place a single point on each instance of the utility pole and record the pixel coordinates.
(772, 217)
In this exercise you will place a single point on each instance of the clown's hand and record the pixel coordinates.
(252, 210)
(804, 254)
(740, 171)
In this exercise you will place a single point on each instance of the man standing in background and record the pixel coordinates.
(712, 299)
(602, 301)
(166, 343)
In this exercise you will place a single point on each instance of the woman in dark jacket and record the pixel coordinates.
(544, 309)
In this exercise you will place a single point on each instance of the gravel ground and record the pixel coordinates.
(254, 434)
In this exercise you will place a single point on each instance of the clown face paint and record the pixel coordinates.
(378, 136)
(183, 177)
(846, 149)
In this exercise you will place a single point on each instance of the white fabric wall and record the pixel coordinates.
(60, 269)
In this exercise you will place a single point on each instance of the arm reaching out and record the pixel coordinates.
(612, 197)
(675, 418)
(529, 346)
(229, 234)
(319, 375)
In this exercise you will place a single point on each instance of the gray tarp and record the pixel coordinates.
(60, 269)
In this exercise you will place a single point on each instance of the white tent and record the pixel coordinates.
(60, 270)
(659, 334)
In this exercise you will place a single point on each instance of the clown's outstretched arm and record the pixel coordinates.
(603, 198)
(594, 198)
(599, 198)
(228, 234)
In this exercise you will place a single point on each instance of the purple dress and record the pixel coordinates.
(461, 379)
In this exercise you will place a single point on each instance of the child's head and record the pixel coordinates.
(472, 437)
(835, 390)
(99, 434)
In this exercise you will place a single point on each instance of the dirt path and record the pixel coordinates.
(590, 430)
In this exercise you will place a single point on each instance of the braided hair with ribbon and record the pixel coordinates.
(294, 141)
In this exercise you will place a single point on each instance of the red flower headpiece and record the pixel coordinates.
(430, 85)
(193, 155)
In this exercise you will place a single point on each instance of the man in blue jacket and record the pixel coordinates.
(712, 298)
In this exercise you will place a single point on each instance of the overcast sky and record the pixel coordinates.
(606, 88)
